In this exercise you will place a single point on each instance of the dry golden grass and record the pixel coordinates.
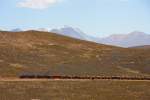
(60, 55)
(75, 90)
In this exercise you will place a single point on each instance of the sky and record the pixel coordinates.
(94, 17)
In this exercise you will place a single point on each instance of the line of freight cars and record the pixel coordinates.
(82, 77)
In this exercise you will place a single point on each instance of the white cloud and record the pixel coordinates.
(37, 4)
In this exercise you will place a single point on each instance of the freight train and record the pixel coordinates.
(44, 76)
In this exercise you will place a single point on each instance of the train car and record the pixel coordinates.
(33, 75)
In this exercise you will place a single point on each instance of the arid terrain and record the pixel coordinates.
(44, 52)
(75, 90)
(34, 51)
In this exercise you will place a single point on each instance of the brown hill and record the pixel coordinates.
(59, 55)
(142, 47)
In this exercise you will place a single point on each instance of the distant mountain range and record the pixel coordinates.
(38, 29)
(132, 39)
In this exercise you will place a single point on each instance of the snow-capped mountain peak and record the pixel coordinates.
(71, 32)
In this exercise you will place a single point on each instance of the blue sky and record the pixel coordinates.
(94, 17)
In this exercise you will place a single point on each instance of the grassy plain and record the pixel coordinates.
(74, 90)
